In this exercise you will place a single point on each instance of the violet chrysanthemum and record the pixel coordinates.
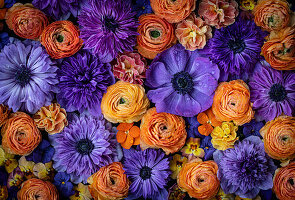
(148, 172)
(272, 92)
(83, 147)
(83, 80)
(246, 169)
(236, 49)
(27, 77)
(182, 82)
(108, 27)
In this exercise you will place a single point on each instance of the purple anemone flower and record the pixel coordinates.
(83, 147)
(108, 27)
(83, 80)
(272, 92)
(148, 172)
(182, 82)
(27, 77)
(246, 169)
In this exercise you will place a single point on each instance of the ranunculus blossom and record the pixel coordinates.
(26, 21)
(279, 49)
(162, 130)
(272, 14)
(173, 11)
(218, 13)
(279, 137)
(231, 102)
(224, 136)
(155, 35)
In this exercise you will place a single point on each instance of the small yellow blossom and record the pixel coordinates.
(26, 167)
(193, 147)
(247, 4)
(7, 160)
(81, 193)
(43, 171)
(176, 164)
(224, 136)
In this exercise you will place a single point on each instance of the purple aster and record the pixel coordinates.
(43, 153)
(148, 172)
(4, 39)
(27, 77)
(83, 147)
(272, 92)
(252, 128)
(108, 27)
(208, 147)
(182, 82)
(83, 80)
(236, 49)
(141, 7)
(63, 184)
(246, 169)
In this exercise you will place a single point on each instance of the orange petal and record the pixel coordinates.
(213, 119)
(134, 131)
(121, 136)
(205, 129)
(137, 141)
(202, 118)
(124, 126)
(128, 142)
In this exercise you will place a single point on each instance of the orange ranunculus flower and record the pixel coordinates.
(155, 35)
(35, 189)
(208, 121)
(124, 103)
(4, 113)
(199, 179)
(279, 49)
(109, 183)
(162, 130)
(193, 33)
(231, 102)
(61, 39)
(284, 182)
(128, 135)
(272, 14)
(20, 134)
(279, 138)
(173, 11)
(26, 21)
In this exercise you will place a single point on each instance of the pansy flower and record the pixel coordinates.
(193, 147)
(128, 135)
(7, 160)
(26, 167)
(176, 164)
(208, 122)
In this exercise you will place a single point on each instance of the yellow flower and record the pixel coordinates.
(222, 196)
(43, 171)
(224, 136)
(26, 167)
(193, 147)
(7, 160)
(247, 4)
(176, 165)
(81, 193)
(3, 192)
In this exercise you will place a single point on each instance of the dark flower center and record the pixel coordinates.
(84, 146)
(60, 38)
(182, 82)
(122, 101)
(291, 181)
(237, 45)
(248, 167)
(22, 75)
(277, 92)
(155, 34)
(111, 24)
(145, 173)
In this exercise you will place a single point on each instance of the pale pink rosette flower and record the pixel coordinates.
(193, 33)
(130, 67)
(218, 13)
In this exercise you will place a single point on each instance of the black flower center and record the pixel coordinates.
(60, 38)
(277, 92)
(182, 82)
(111, 24)
(145, 173)
(122, 101)
(291, 181)
(84, 146)
(237, 45)
(22, 75)
(155, 34)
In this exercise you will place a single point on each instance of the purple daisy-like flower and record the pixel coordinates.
(148, 172)
(182, 82)
(246, 169)
(27, 77)
(83, 147)
(272, 92)
(108, 27)
(236, 49)
(83, 80)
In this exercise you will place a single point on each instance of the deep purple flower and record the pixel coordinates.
(182, 82)
(43, 153)
(83, 147)
(83, 80)
(27, 76)
(141, 7)
(208, 147)
(272, 92)
(63, 184)
(252, 128)
(246, 169)
(4, 39)
(236, 49)
(9, 3)
(148, 172)
(108, 27)
(12, 193)
(3, 176)
(192, 125)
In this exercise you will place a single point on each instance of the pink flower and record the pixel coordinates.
(218, 13)
(130, 68)
(193, 33)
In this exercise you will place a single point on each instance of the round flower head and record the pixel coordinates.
(182, 82)
(224, 136)
(272, 92)
(148, 172)
(27, 77)
(246, 169)
(83, 147)
(83, 80)
(108, 27)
